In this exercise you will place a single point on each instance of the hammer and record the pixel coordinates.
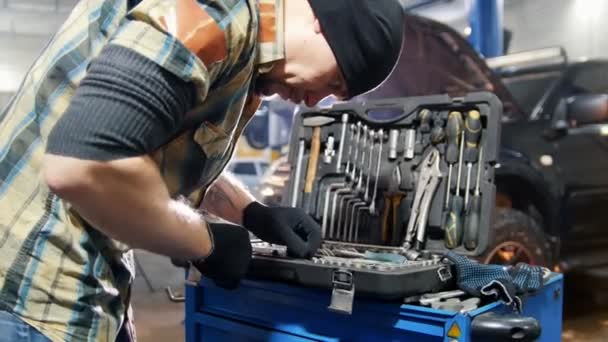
(315, 148)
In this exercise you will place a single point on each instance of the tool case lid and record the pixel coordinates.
(402, 113)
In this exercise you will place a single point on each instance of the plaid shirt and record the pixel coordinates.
(58, 274)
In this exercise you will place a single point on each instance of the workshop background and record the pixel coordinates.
(577, 26)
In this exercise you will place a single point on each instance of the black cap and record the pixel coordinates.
(365, 37)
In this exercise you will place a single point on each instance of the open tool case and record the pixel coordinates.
(374, 175)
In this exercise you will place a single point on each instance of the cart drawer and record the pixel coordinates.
(213, 328)
(303, 313)
(269, 311)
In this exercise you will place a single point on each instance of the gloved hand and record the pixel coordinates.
(481, 280)
(228, 262)
(287, 226)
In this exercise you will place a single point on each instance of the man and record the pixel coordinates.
(127, 119)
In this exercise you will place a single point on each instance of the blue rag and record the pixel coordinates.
(506, 283)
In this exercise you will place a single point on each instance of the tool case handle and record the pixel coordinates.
(408, 107)
(404, 107)
(505, 328)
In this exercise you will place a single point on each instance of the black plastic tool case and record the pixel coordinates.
(356, 255)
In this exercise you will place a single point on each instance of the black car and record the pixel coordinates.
(554, 164)
(552, 177)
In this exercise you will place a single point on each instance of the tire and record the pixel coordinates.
(516, 237)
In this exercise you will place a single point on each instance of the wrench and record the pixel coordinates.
(340, 191)
(347, 217)
(427, 184)
(359, 179)
(372, 207)
(345, 188)
(428, 298)
(356, 176)
(353, 172)
(298, 175)
(354, 211)
(331, 188)
(372, 135)
(318, 211)
(366, 196)
(349, 196)
(361, 203)
(353, 128)
(341, 146)
(362, 163)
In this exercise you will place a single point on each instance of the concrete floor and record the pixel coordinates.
(158, 319)
(586, 307)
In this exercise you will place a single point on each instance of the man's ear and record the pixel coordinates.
(317, 26)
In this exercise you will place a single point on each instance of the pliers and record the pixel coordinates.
(428, 181)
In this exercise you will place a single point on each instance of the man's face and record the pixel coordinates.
(308, 73)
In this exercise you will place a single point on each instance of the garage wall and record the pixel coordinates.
(577, 25)
(25, 28)
(27, 25)
(18, 54)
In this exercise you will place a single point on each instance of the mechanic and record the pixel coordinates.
(126, 120)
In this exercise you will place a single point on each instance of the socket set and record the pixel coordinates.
(393, 184)
(352, 256)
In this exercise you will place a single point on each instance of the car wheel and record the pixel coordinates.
(517, 238)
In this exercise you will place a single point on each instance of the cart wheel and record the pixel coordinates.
(517, 238)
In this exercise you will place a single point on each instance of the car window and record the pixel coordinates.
(529, 89)
(263, 167)
(585, 78)
(244, 169)
(438, 60)
(591, 79)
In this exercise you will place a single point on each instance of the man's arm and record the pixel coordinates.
(127, 200)
(230, 200)
(97, 154)
(291, 227)
(227, 198)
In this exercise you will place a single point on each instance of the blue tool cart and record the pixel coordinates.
(267, 311)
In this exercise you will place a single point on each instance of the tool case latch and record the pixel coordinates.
(444, 273)
(343, 293)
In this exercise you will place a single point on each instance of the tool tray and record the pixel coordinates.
(356, 169)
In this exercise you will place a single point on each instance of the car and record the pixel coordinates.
(551, 176)
(248, 171)
(554, 163)
(551, 179)
(270, 188)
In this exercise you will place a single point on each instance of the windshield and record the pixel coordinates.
(436, 60)
(529, 89)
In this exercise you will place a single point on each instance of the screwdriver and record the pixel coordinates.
(425, 117)
(453, 219)
(472, 133)
(437, 133)
(471, 221)
(452, 132)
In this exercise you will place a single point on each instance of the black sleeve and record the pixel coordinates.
(126, 106)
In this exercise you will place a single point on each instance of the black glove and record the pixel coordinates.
(228, 262)
(291, 227)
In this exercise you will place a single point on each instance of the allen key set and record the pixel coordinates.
(391, 193)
